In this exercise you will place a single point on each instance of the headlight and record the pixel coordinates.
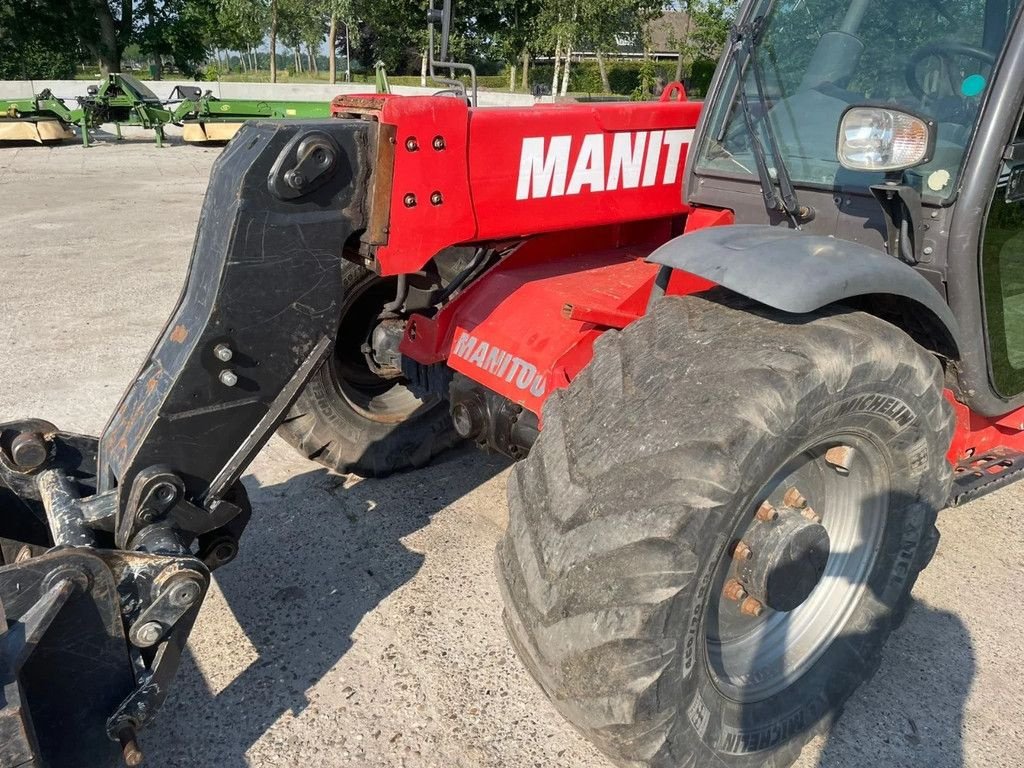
(882, 139)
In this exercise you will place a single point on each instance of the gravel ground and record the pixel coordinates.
(361, 625)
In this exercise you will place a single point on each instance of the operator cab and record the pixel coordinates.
(813, 104)
(817, 58)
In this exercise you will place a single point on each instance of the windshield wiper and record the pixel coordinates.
(744, 39)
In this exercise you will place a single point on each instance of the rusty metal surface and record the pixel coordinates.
(378, 225)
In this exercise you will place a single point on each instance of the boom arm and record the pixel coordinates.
(258, 315)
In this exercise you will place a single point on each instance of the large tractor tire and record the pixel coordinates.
(349, 418)
(720, 525)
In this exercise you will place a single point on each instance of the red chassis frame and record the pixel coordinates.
(585, 192)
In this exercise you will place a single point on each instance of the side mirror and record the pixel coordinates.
(1015, 185)
(884, 139)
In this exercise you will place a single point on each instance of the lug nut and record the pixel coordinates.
(766, 513)
(741, 551)
(752, 607)
(148, 634)
(811, 515)
(29, 450)
(223, 353)
(794, 499)
(840, 457)
(228, 378)
(734, 591)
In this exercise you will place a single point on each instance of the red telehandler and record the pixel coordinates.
(746, 351)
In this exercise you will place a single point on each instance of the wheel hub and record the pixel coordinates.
(784, 560)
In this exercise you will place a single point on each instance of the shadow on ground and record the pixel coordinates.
(912, 713)
(316, 558)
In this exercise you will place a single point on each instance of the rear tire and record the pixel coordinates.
(651, 466)
(351, 420)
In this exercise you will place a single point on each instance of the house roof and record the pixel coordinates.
(667, 31)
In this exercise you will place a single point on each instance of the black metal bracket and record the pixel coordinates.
(258, 315)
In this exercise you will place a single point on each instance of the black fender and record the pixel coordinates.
(800, 273)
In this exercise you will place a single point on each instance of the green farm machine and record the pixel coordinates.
(123, 100)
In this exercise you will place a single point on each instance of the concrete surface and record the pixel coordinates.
(361, 625)
(282, 91)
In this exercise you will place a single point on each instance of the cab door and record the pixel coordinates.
(1002, 271)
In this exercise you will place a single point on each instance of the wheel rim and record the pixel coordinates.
(753, 657)
(381, 399)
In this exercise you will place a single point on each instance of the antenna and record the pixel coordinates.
(443, 16)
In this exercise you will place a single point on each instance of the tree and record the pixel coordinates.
(241, 25)
(36, 40)
(181, 29)
(105, 28)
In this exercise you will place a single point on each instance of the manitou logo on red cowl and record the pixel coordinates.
(634, 160)
(502, 364)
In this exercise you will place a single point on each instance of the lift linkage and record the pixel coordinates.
(107, 544)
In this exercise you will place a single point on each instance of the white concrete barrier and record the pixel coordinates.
(70, 89)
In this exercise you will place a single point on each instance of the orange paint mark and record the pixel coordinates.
(179, 334)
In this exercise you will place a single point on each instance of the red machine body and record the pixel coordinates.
(584, 193)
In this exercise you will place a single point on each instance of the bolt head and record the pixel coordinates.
(734, 590)
(839, 457)
(225, 553)
(147, 516)
(751, 607)
(741, 551)
(794, 498)
(436, 199)
(766, 513)
(810, 514)
(184, 593)
(228, 378)
(148, 634)
(223, 353)
(409, 200)
(439, 144)
(29, 450)
(411, 144)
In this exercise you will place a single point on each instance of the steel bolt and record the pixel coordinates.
(741, 551)
(184, 594)
(794, 499)
(734, 590)
(811, 515)
(225, 553)
(148, 634)
(165, 492)
(436, 199)
(130, 750)
(228, 378)
(223, 353)
(840, 457)
(752, 607)
(409, 200)
(412, 145)
(439, 144)
(766, 513)
(29, 450)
